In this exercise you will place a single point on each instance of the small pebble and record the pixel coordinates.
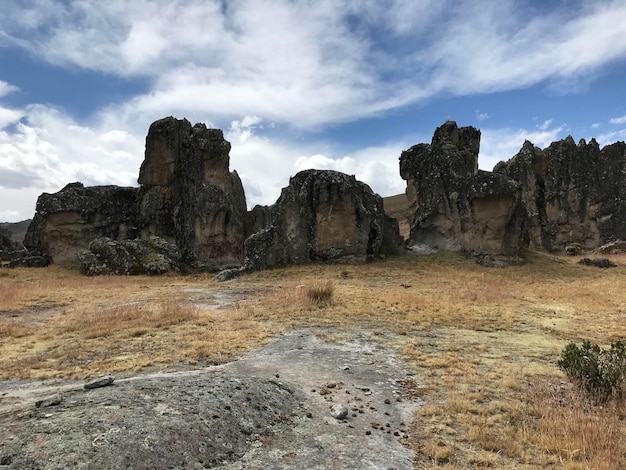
(338, 411)
(99, 382)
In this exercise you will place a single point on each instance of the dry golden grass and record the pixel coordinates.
(483, 342)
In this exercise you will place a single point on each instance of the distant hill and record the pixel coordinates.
(18, 229)
(398, 206)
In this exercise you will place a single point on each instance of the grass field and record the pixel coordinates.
(482, 342)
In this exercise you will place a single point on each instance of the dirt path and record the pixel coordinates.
(269, 409)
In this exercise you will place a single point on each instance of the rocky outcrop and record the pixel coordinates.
(67, 221)
(322, 216)
(456, 206)
(567, 198)
(573, 194)
(6, 241)
(189, 196)
(17, 231)
(151, 255)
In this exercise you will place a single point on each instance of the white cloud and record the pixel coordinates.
(304, 65)
(501, 144)
(376, 166)
(241, 130)
(265, 166)
(481, 116)
(49, 150)
(487, 47)
(6, 88)
(10, 216)
(611, 137)
(9, 116)
(618, 120)
(17, 204)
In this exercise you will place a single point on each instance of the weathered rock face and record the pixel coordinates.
(187, 197)
(321, 216)
(457, 206)
(65, 222)
(188, 194)
(6, 242)
(152, 255)
(572, 194)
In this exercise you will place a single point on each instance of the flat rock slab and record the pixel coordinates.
(270, 409)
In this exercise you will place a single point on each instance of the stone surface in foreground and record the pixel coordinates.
(270, 409)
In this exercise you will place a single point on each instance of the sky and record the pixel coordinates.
(296, 84)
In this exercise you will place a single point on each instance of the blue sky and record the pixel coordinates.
(295, 84)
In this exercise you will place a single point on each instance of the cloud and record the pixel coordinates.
(618, 120)
(6, 88)
(501, 144)
(9, 116)
(376, 166)
(265, 165)
(49, 150)
(309, 66)
(497, 46)
(481, 116)
(611, 137)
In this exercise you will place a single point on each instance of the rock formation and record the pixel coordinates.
(6, 242)
(65, 222)
(457, 206)
(151, 255)
(322, 215)
(574, 195)
(187, 196)
(567, 198)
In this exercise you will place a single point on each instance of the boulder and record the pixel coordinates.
(67, 221)
(151, 255)
(456, 206)
(573, 194)
(6, 241)
(618, 247)
(13, 254)
(188, 195)
(323, 216)
(598, 262)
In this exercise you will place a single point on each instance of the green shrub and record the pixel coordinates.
(599, 371)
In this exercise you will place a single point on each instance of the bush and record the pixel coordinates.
(320, 294)
(599, 371)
